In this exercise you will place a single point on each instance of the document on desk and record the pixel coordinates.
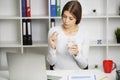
(82, 77)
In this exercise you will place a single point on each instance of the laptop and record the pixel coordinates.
(27, 66)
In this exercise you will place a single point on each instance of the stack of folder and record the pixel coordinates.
(55, 8)
(26, 23)
(27, 32)
(26, 8)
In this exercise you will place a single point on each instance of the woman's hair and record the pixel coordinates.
(75, 8)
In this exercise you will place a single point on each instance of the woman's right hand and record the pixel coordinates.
(53, 39)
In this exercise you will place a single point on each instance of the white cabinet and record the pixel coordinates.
(11, 39)
(100, 25)
(113, 49)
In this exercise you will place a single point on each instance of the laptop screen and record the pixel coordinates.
(26, 66)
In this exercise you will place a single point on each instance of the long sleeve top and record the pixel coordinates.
(61, 57)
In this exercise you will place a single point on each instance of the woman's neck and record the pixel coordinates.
(71, 30)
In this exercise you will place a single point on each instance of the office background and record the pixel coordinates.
(100, 19)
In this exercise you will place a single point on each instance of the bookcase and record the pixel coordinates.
(100, 24)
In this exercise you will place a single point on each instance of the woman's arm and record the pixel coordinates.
(82, 57)
(51, 57)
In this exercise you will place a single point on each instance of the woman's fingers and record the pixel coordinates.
(54, 36)
(53, 39)
(74, 49)
(74, 46)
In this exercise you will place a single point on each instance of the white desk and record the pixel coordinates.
(4, 75)
(100, 75)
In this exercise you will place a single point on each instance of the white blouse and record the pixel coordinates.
(62, 58)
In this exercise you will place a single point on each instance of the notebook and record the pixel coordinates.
(27, 66)
(82, 77)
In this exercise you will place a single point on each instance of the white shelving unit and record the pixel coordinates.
(113, 23)
(100, 25)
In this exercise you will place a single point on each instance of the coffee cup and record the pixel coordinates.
(108, 66)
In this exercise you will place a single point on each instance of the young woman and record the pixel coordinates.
(68, 44)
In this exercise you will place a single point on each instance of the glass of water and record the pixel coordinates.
(70, 43)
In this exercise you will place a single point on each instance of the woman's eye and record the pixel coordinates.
(64, 16)
(71, 18)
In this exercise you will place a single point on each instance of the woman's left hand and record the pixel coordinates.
(74, 49)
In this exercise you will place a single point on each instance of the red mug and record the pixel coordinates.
(108, 66)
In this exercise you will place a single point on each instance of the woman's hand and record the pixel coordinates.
(74, 49)
(53, 39)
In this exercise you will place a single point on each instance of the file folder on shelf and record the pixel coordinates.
(28, 8)
(24, 29)
(53, 8)
(29, 32)
(52, 23)
(23, 8)
(58, 7)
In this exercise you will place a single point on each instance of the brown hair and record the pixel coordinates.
(75, 8)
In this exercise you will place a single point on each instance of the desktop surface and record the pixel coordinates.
(99, 74)
(63, 74)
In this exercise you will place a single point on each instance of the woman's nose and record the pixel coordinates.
(66, 20)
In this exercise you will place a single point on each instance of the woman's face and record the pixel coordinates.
(68, 19)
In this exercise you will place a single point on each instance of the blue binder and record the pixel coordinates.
(23, 8)
(53, 8)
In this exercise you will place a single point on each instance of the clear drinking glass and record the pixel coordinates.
(70, 43)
